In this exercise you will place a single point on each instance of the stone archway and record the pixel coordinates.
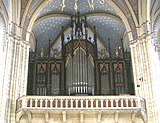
(140, 48)
(156, 66)
(2, 46)
(2, 65)
(156, 29)
(129, 24)
(2, 31)
(34, 16)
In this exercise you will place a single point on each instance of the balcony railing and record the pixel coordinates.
(80, 102)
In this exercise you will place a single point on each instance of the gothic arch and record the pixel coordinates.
(4, 14)
(34, 15)
(154, 13)
(46, 16)
(2, 60)
(129, 26)
(2, 31)
(156, 30)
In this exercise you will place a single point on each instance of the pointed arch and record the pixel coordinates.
(3, 84)
(44, 3)
(4, 13)
(2, 31)
(156, 30)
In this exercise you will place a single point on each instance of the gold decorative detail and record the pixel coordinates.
(90, 3)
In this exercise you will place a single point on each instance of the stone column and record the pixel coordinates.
(15, 74)
(6, 81)
(24, 69)
(142, 69)
(2, 64)
(156, 75)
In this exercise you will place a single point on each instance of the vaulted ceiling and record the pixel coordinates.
(52, 18)
(104, 17)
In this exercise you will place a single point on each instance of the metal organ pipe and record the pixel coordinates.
(77, 72)
(79, 62)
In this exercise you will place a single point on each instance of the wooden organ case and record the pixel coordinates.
(79, 68)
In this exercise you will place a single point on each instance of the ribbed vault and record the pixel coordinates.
(108, 18)
(113, 9)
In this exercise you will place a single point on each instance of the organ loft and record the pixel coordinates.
(79, 61)
(80, 67)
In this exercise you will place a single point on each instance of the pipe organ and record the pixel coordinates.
(79, 67)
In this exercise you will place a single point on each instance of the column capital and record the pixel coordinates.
(16, 39)
(14, 29)
(143, 38)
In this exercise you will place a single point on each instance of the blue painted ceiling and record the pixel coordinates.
(104, 17)
(55, 6)
(49, 29)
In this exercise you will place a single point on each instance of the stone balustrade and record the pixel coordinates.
(81, 102)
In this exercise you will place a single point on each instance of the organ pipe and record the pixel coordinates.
(123, 56)
(79, 65)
